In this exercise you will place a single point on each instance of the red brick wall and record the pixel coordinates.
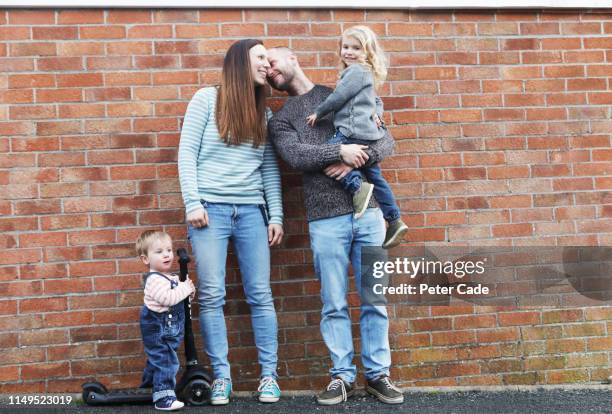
(502, 123)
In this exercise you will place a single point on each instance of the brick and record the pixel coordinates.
(150, 31)
(475, 321)
(43, 305)
(71, 352)
(585, 329)
(31, 17)
(102, 32)
(196, 32)
(519, 318)
(33, 49)
(54, 33)
(219, 15)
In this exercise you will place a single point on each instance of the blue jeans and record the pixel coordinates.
(335, 242)
(382, 191)
(246, 226)
(162, 334)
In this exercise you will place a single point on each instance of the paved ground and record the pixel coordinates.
(586, 400)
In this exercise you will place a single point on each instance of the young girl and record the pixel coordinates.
(162, 319)
(358, 120)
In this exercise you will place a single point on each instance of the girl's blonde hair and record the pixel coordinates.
(375, 55)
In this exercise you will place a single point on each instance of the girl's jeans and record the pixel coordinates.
(382, 191)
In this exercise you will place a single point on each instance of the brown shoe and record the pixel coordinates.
(337, 391)
(384, 389)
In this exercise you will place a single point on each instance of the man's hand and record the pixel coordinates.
(311, 120)
(198, 218)
(275, 234)
(338, 170)
(354, 155)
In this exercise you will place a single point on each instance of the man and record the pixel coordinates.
(336, 237)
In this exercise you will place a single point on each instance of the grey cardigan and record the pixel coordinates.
(354, 103)
(306, 149)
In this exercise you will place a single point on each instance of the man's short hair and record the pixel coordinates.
(147, 238)
(283, 49)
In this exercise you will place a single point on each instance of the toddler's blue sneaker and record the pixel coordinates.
(168, 404)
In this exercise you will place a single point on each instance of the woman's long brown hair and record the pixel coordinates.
(241, 106)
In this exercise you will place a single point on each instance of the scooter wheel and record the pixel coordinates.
(196, 392)
(90, 388)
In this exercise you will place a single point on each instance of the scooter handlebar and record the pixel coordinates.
(183, 260)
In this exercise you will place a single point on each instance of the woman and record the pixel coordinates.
(231, 189)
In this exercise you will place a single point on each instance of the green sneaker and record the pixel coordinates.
(395, 233)
(361, 199)
(221, 390)
(269, 391)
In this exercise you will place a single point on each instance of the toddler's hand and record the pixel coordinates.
(311, 120)
(191, 286)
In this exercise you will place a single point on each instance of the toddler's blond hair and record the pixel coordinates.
(146, 239)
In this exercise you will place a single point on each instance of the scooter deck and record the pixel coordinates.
(131, 396)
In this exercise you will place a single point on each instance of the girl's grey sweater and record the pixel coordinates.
(354, 104)
(305, 148)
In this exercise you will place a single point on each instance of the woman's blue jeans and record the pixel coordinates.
(245, 225)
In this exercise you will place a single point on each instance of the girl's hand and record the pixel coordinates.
(311, 120)
(275, 234)
(377, 120)
(198, 218)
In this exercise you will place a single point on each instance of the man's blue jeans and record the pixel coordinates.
(335, 242)
(382, 191)
(245, 225)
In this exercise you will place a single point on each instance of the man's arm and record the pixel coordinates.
(300, 156)
(380, 149)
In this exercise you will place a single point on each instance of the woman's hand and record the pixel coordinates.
(198, 218)
(275, 234)
(337, 170)
(354, 154)
(311, 120)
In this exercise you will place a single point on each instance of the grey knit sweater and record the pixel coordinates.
(305, 148)
(354, 103)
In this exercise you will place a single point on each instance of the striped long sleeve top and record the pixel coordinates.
(211, 170)
(158, 294)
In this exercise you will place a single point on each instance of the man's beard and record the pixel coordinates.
(283, 85)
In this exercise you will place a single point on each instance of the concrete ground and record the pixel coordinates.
(583, 399)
